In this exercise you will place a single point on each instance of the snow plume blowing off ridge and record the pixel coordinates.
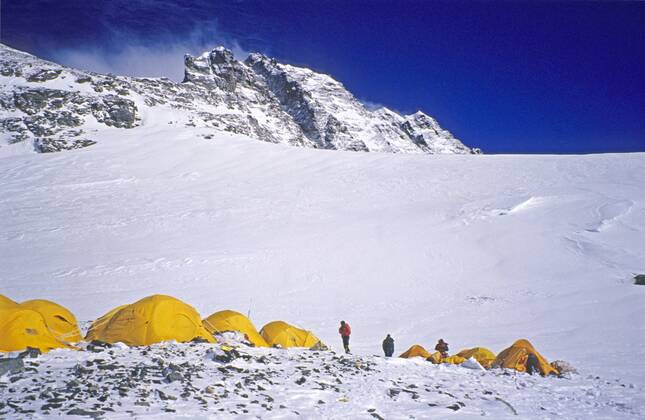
(124, 53)
(258, 97)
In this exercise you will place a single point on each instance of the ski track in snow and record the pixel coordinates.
(478, 250)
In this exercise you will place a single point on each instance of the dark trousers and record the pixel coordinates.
(346, 343)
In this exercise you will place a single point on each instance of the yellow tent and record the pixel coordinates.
(285, 335)
(415, 351)
(515, 357)
(60, 321)
(150, 320)
(5, 302)
(99, 326)
(234, 321)
(453, 360)
(21, 328)
(484, 356)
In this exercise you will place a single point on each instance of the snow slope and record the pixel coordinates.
(478, 250)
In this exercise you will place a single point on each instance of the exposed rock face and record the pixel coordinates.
(639, 280)
(54, 106)
(115, 112)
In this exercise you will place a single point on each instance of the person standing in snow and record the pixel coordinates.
(442, 347)
(345, 331)
(532, 364)
(388, 346)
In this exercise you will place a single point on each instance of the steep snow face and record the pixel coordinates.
(51, 107)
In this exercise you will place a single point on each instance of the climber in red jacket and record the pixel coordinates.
(345, 331)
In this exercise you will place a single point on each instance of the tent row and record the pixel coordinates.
(46, 325)
(514, 357)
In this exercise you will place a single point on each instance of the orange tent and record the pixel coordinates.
(415, 351)
(516, 356)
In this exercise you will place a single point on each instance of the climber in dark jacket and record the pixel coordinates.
(442, 347)
(388, 346)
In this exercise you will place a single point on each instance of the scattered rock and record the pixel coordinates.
(114, 111)
(44, 75)
(50, 145)
(97, 346)
(172, 373)
(30, 353)
(87, 413)
(564, 367)
(11, 365)
(165, 397)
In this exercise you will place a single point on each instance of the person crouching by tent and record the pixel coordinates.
(388, 346)
(345, 331)
(442, 347)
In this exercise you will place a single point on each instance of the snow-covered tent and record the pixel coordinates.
(516, 356)
(415, 351)
(228, 320)
(150, 320)
(279, 333)
(22, 327)
(59, 320)
(484, 356)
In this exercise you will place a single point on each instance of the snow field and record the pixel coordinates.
(478, 250)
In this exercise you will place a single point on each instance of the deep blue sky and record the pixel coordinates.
(509, 77)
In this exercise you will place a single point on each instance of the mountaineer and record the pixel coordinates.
(345, 331)
(388, 346)
(442, 347)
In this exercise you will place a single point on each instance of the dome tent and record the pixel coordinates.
(228, 320)
(21, 328)
(516, 356)
(98, 327)
(59, 320)
(415, 351)
(279, 333)
(484, 356)
(150, 320)
(5, 302)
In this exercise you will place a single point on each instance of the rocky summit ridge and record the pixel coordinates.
(53, 107)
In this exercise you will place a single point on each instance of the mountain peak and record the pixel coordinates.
(258, 97)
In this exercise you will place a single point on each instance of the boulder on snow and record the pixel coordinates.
(563, 367)
(11, 365)
(114, 111)
(639, 279)
(44, 75)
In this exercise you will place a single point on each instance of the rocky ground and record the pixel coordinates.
(205, 380)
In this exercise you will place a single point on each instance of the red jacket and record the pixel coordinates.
(345, 330)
